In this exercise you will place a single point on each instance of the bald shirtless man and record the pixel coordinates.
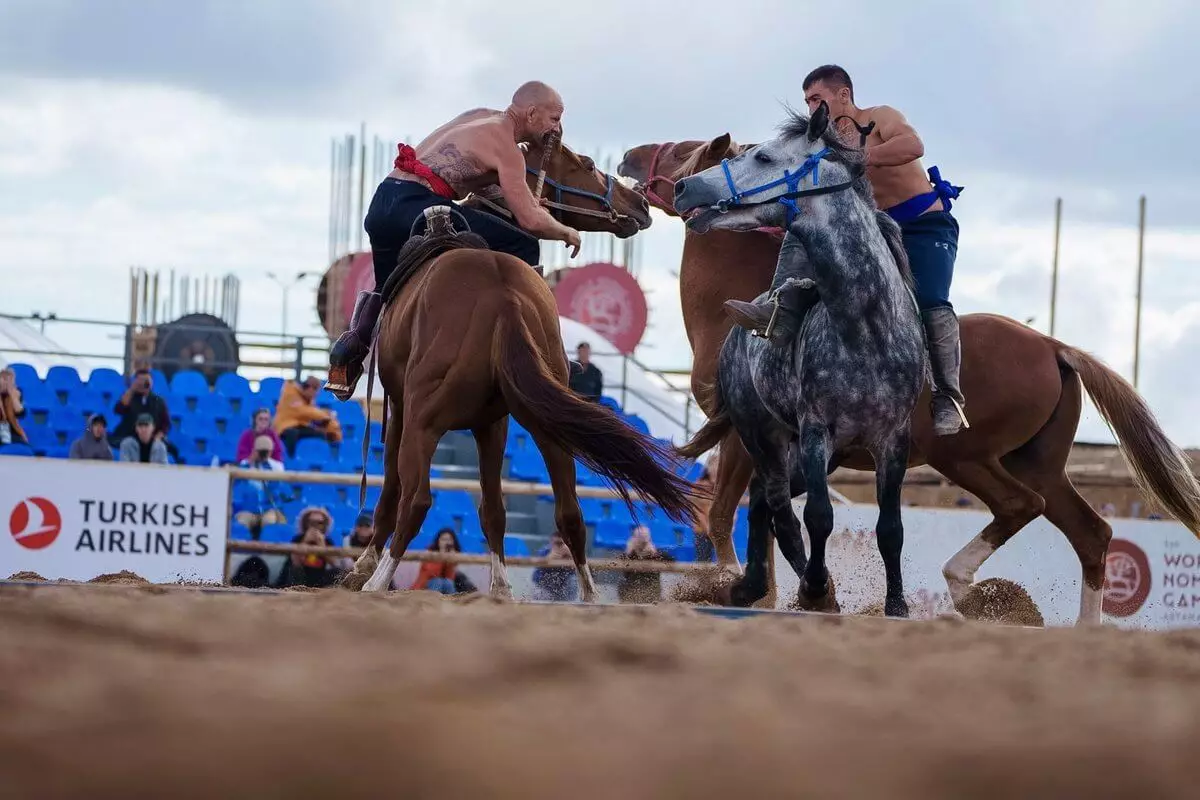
(474, 150)
(920, 203)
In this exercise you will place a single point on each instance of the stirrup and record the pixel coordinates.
(962, 415)
(773, 299)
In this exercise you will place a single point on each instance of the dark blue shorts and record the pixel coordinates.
(931, 241)
(398, 204)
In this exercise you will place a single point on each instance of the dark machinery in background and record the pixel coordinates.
(201, 338)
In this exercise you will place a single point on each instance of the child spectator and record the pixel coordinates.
(93, 444)
(260, 425)
(437, 576)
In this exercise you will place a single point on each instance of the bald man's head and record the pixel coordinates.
(537, 109)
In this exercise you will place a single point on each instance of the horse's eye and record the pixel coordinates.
(762, 157)
(588, 163)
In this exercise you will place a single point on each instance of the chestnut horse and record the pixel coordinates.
(1024, 393)
(473, 336)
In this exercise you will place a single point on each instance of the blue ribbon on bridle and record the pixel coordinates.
(791, 182)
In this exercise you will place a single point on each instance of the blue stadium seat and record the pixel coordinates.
(224, 448)
(665, 533)
(62, 380)
(161, 384)
(189, 383)
(605, 400)
(612, 533)
(637, 423)
(455, 502)
(40, 437)
(215, 406)
(584, 476)
(239, 533)
(25, 374)
(67, 419)
(528, 465)
(592, 508)
(22, 450)
(280, 534)
(88, 402)
(315, 450)
(268, 392)
(515, 546)
(325, 399)
(230, 384)
(37, 399)
(107, 382)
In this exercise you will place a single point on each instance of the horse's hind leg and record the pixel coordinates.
(568, 516)
(489, 441)
(1013, 505)
(733, 476)
(384, 523)
(818, 517)
(753, 585)
(1041, 463)
(890, 466)
(417, 445)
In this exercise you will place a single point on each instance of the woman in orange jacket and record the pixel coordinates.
(441, 577)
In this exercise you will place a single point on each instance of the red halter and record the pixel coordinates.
(647, 186)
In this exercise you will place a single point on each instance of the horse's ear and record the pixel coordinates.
(819, 122)
(720, 145)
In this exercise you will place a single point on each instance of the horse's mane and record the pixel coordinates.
(796, 125)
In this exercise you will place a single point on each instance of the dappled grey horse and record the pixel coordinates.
(850, 378)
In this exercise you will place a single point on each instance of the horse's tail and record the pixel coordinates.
(1160, 469)
(589, 431)
(714, 430)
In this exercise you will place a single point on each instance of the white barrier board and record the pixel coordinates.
(81, 519)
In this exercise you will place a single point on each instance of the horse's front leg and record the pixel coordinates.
(891, 463)
(815, 586)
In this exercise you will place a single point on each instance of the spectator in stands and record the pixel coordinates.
(11, 409)
(139, 399)
(260, 425)
(145, 445)
(641, 587)
(437, 576)
(256, 503)
(297, 417)
(312, 526)
(93, 444)
(590, 381)
(555, 583)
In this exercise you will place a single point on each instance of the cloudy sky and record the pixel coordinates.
(195, 136)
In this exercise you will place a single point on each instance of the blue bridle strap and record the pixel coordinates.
(790, 181)
(560, 189)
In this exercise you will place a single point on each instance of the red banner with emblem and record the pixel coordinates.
(607, 299)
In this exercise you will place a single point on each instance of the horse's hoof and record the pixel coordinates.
(743, 594)
(353, 581)
(825, 602)
(895, 607)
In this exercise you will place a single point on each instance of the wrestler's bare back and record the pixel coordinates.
(449, 150)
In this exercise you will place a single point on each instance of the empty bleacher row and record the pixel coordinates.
(206, 423)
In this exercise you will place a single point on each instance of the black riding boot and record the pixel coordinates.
(777, 318)
(347, 354)
(941, 330)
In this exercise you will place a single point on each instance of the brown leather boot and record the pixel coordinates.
(347, 354)
(777, 318)
(941, 331)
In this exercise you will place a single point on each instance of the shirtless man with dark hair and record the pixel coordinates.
(920, 204)
(474, 150)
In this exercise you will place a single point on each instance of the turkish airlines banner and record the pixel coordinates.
(1152, 575)
(81, 519)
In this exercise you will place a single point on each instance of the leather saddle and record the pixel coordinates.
(440, 236)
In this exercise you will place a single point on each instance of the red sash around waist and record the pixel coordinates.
(407, 161)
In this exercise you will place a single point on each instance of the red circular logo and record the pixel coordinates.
(607, 299)
(35, 523)
(1126, 578)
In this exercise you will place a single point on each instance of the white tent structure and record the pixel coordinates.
(21, 342)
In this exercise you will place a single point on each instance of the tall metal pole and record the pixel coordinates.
(1137, 320)
(1054, 268)
(362, 183)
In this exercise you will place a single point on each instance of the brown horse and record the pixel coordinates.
(1023, 390)
(472, 336)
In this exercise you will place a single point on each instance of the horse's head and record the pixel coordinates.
(578, 194)
(768, 184)
(656, 167)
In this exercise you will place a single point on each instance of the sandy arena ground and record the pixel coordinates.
(120, 691)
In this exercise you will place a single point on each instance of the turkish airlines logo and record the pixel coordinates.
(1126, 578)
(35, 523)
